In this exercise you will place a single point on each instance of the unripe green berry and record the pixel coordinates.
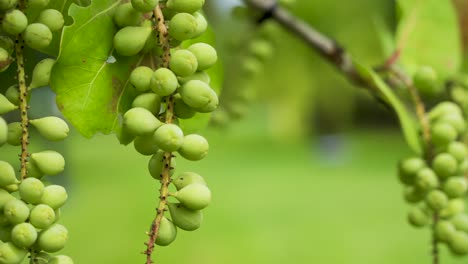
(16, 211)
(5, 60)
(202, 24)
(456, 120)
(194, 196)
(140, 78)
(201, 76)
(146, 145)
(167, 232)
(417, 217)
(188, 178)
(195, 147)
(54, 196)
(436, 200)
(31, 190)
(144, 5)
(445, 165)
(149, 101)
(443, 134)
(14, 22)
(8, 4)
(14, 133)
(3, 131)
(413, 195)
(41, 73)
(457, 150)
(11, 254)
(164, 82)
(125, 15)
(5, 105)
(460, 222)
(169, 137)
(455, 187)
(37, 36)
(23, 235)
(444, 108)
(139, 121)
(426, 179)
(11, 188)
(206, 55)
(5, 197)
(53, 238)
(458, 243)
(51, 127)
(156, 164)
(7, 44)
(7, 174)
(129, 41)
(185, 6)
(34, 171)
(182, 110)
(42, 216)
(261, 49)
(50, 162)
(463, 167)
(38, 4)
(183, 26)
(13, 95)
(60, 259)
(52, 18)
(184, 218)
(454, 207)
(444, 230)
(199, 96)
(425, 79)
(183, 63)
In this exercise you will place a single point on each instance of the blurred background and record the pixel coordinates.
(306, 174)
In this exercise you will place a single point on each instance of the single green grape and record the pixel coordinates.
(3, 131)
(206, 55)
(442, 134)
(445, 165)
(184, 218)
(51, 127)
(11, 254)
(183, 26)
(60, 259)
(202, 24)
(148, 101)
(52, 18)
(23, 235)
(413, 194)
(41, 73)
(426, 179)
(185, 6)
(146, 145)
(5, 197)
(34, 171)
(54, 196)
(194, 196)
(167, 232)
(188, 178)
(125, 15)
(8, 4)
(129, 41)
(460, 222)
(199, 96)
(457, 150)
(426, 80)
(456, 120)
(50, 162)
(455, 187)
(417, 217)
(139, 121)
(12, 94)
(16, 211)
(156, 163)
(5, 105)
(140, 78)
(195, 147)
(53, 238)
(144, 5)
(458, 243)
(444, 108)
(37, 36)
(14, 133)
(163, 82)
(183, 63)
(7, 174)
(38, 4)
(42, 216)
(31, 190)
(5, 60)
(169, 137)
(7, 44)
(14, 22)
(181, 109)
(436, 200)
(454, 207)
(444, 230)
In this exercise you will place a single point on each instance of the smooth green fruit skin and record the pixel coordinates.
(455, 187)
(14, 22)
(194, 196)
(456, 121)
(41, 73)
(183, 63)
(140, 78)
(34, 171)
(188, 178)
(42, 216)
(460, 222)
(201, 76)
(54, 196)
(144, 5)
(37, 36)
(5, 60)
(155, 165)
(458, 243)
(38, 4)
(167, 232)
(139, 121)
(444, 108)
(53, 238)
(13, 95)
(125, 15)
(50, 162)
(445, 165)
(129, 41)
(202, 24)
(5, 197)
(185, 6)
(16, 211)
(443, 134)
(199, 96)
(7, 44)
(458, 151)
(417, 217)
(52, 18)
(7, 174)
(426, 179)
(51, 127)
(148, 101)
(146, 145)
(184, 218)
(206, 55)
(3, 131)
(8, 4)
(183, 26)
(444, 230)
(5, 105)
(14, 133)
(436, 200)
(454, 207)
(164, 82)
(31, 190)
(195, 147)
(11, 254)
(169, 137)
(23, 235)
(60, 259)
(413, 195)
(425, 79)
(182, 110)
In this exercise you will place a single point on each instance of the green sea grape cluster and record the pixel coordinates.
(436, 187)
(177, 89)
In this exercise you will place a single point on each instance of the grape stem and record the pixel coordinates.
(161, 28)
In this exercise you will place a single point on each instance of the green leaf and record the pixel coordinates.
(428, 34)
(92, 91)
(407, 121)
